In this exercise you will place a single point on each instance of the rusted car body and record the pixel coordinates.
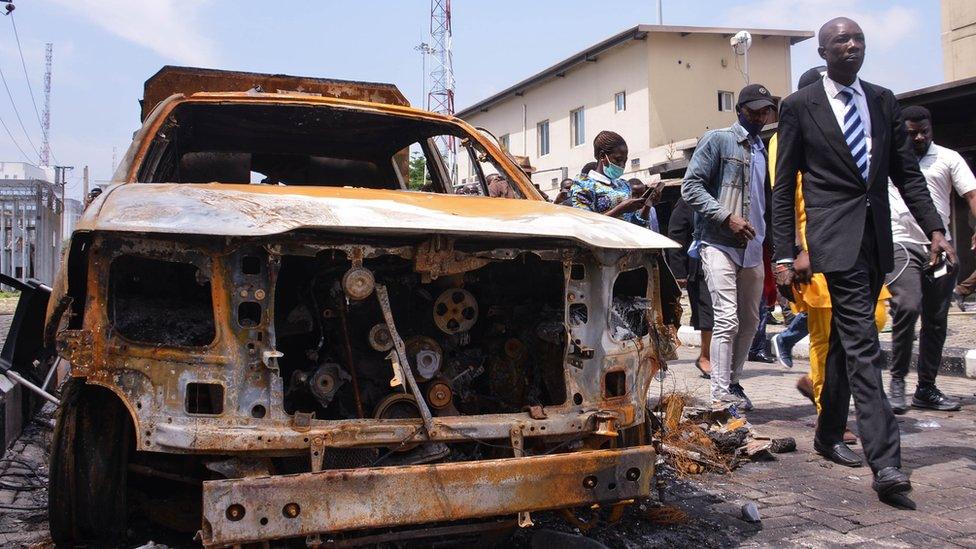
(327, 352)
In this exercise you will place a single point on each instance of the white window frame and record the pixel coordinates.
(726, 101)
(505, 142)
(577, 128)
(543, 143)
(620, 101)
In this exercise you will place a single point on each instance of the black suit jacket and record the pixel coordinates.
(681, 228)
(834, 192)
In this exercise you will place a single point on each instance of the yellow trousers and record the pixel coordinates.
(818, 324)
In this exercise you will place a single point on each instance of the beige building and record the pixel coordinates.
(958, 39)
(660, 87)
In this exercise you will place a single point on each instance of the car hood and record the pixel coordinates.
(259, 210)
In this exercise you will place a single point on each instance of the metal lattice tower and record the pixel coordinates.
(440, 98)
(46, 117)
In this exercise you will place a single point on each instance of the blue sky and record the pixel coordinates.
(105, 49)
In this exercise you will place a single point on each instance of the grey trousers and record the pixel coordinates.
(914, 294)
(735, 295)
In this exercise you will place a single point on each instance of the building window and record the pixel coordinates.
(620, 102)
(725, 101)
(503, 142)
(542, 131)
(635, 163)
(577, 127)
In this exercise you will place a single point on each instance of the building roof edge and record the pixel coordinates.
(638, 32)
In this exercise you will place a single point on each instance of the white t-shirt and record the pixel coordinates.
(944, 169)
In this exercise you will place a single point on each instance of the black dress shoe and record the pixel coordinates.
(838, 453)
(889, 481)
(896, 395)
(761, 357)
(933, 399)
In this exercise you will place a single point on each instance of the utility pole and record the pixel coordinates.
(660, 13)
(60, 175)
(85, 189)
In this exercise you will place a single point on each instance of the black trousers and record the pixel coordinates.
(854, 362)
(914, 294)
(702, 316)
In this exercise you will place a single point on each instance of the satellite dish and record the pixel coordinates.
(741, 42)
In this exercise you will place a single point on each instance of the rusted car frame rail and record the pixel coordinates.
(242, 511)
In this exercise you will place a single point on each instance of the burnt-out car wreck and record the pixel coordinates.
(271, 336)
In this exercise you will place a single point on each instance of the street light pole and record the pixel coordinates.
(424, 48)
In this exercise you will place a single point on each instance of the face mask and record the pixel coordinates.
(749, 126)
(612, 170)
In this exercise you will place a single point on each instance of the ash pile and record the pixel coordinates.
(693, 440)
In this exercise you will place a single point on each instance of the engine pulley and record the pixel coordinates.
(455, 311)
(324, 383)
(425, 356)
(358, 283)
(380, 338)
(398, 406)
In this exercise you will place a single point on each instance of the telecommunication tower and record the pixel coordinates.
(46, 117)
(440, 97)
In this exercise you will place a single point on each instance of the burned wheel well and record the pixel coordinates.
(89, 464)
(106, 397)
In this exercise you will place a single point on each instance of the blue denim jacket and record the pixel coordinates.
(716, 183)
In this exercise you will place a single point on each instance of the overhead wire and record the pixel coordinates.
(16, 144)
(16, 112)
(23, 64)
(30, 88)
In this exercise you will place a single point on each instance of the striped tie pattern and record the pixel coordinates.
(854, 132)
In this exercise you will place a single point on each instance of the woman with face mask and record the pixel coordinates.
(603, 189)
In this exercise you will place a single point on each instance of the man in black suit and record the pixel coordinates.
(847, 138)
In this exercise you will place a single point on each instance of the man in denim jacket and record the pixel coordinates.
(726, 185)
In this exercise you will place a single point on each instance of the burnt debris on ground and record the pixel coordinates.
(23, 484)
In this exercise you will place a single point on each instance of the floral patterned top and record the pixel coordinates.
(596, 192)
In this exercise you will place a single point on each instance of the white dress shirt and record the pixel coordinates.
(833, 90)
(944, 170)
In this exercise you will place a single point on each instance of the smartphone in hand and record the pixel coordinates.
(941, 268)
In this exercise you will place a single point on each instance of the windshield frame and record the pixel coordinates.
(138, 153)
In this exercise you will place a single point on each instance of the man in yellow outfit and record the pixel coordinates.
(814, 298)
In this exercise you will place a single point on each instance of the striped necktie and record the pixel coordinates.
(854, 131)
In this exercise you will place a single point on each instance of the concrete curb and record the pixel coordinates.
(955, 361)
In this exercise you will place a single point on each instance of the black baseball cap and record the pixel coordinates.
(755, 97)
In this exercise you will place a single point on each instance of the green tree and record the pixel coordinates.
(418, 166)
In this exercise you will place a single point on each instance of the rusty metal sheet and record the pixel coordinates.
(189, 80)
(258, 210)
(247, 510)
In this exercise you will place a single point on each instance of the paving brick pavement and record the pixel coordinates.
(806, 501)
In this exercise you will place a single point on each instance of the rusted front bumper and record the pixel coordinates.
(255, 509)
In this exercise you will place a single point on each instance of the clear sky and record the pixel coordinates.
(105, 49)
